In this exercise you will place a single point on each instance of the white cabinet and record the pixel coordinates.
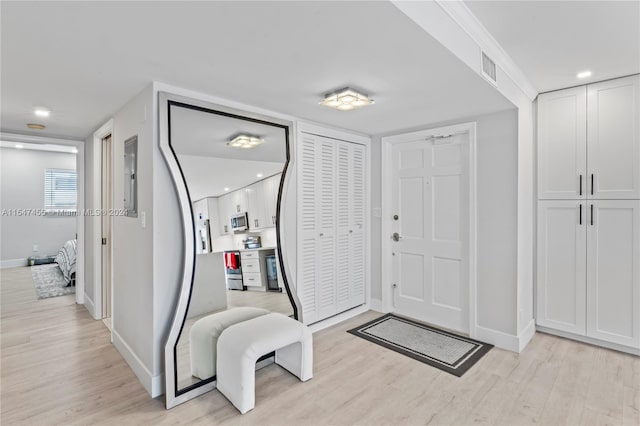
(562, 249)
(588, 141)
(613, 271)
(562, 144)
(588, 245)
(271, 186)
(207, 209)
(331, 224)
(613, 133)
(255, 206)
(225, 210)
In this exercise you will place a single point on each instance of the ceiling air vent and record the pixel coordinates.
(488, 68)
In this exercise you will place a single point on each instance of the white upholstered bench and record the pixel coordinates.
(241, 344)
(204, 334)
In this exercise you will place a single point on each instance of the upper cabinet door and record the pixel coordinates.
(613, 271)
(562, 142)
(614, 139)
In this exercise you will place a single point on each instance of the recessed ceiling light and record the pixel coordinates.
(18, 146)
(42, 111)
(36, 126)
(226, 189)
(346, 99)
(245, 141)
(74, 150)
(584, 74)
(259, 175)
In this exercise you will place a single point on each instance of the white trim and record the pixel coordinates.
(386, 147)
(80, 170)
(333, 132)
(376, 305)
(460, 13)
(88, 303)
(525, 336)
(149, 382)
(13, 263)
(96, 221)
(336, 319)
(502, 340)
(589, 340)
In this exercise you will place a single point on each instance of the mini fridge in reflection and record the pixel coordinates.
(272, 273)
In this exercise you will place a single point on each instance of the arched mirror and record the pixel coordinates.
(229, 170)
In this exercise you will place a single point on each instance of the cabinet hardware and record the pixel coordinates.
(592, 184)
(591, 214)
(581, 187)
(395, 236)
(104, 241)
(580, 214)
(322, 234)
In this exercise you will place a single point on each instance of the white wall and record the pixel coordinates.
(22, 187)
(92, 175)
(133, 248)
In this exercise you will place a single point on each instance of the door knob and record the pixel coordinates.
(396, 236)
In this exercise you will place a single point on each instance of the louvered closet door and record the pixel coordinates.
(326, 199)
(350, 190)
(308, 227)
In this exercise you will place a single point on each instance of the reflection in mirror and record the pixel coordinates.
(232, 167)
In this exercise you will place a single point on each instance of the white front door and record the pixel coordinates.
(429, 219)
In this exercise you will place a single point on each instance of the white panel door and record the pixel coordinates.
(614, 139)
(562, 149)
(430, 259)
(561, 275)
(308, 228)
(613, 271)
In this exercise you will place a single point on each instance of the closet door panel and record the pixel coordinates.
(562, 144)
(308, 231)
(614, 139)
(561, 275)
(357, 224)
(344, 178)
(613, 274)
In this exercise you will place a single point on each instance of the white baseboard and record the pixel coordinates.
(321, 325)
(136, 364)
(157, 385)
(376, 305)
(12, 263)
(91, 307)
(589, 340)
(526, 335)
(497, 338)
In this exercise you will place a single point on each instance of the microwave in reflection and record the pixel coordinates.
(240, 222)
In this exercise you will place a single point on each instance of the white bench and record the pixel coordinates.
(204, 334)
(240, 346)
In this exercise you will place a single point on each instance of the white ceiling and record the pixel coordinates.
(84, 60)
(551, 41)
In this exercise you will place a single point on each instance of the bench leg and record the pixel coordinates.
(236, 380)
(297, 358)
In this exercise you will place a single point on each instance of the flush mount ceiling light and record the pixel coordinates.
(245, 141)
(584, 74)
(346, 99)
(36, 126)
(42, 111)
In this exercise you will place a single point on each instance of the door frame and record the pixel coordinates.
(386, 147)
(80, 204)
(96, 220)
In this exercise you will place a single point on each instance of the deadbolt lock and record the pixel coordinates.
(395, 236)
(395, 217)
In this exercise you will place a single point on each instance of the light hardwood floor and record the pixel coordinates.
(58, 367)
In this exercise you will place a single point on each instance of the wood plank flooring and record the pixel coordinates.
(58, 367)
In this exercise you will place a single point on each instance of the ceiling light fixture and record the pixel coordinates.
(18, 146)
(346, 99)
(245, 141)
(42, 111)
(36, 126)
(584, 74)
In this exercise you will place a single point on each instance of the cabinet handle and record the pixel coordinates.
(273, 219)
(591, 214)
(255, 223)
(581, 187)
(580, 222)
(591, 185)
